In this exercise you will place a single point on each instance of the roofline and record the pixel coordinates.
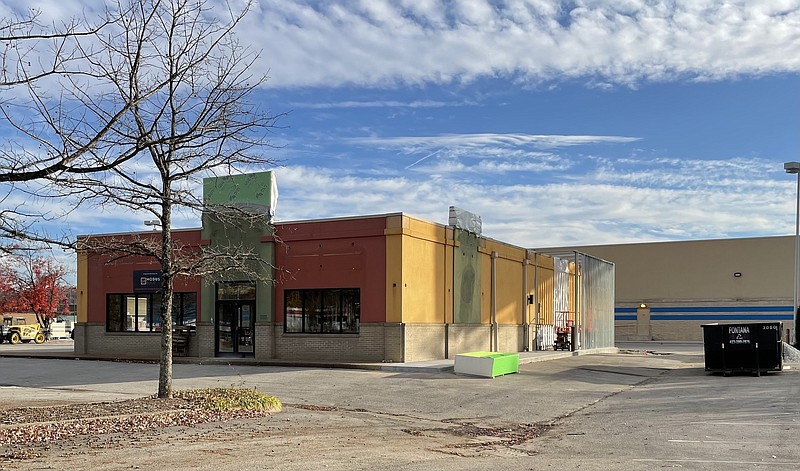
(110, 234)
(342, 218)
(656, 242)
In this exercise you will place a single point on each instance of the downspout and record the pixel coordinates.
(444, 285)
(493, 338)
(525, 330)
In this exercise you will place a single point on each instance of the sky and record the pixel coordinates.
(558, 122)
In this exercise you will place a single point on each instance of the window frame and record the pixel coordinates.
(151, 318)
(319, 322)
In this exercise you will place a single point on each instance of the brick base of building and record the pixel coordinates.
(375, 342)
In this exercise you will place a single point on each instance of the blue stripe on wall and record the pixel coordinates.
(710, 309)
(723, 317)
(724, 309)
(710, 313)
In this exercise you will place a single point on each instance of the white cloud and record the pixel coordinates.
(587, 210)
(389, 43)
(384, 43)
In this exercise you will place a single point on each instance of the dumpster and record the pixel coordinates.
(753, 347)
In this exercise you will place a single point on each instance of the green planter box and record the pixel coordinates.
(486, 364)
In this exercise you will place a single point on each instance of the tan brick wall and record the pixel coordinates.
(624, 330)
(92, 339)
(123, 344)
(692, 330)
(204, 341)
(394, 344)
(677, 330)
(424, 342)
(376, 342)
(509, 338)
(463, 338)
(265, 341)
(688, 330)
(79, 331)
(367, 345)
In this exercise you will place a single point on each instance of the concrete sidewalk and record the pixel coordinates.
(63, 349)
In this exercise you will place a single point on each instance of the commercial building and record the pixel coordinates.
(667, 290)
(387, 287)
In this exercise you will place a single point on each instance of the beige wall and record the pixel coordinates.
(696, 270)
(699, 274)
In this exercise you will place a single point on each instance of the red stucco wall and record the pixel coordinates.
(334, 254)
(106, 277)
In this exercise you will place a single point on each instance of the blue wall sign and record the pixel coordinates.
(146, 281)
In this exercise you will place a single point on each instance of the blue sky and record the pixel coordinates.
(560, 123)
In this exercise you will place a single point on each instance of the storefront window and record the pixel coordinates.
(189, 309)
(294, 311)
(322, 310)
(142, 312)
(154, 322)
(114, 317)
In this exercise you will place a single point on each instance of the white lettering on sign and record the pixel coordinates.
(739, 335)
(146, 279)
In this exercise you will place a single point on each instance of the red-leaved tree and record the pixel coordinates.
(33, 284)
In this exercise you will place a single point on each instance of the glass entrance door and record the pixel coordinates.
(244, 336)
(235, 326)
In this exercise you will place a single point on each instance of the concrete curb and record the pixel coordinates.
(432, 366)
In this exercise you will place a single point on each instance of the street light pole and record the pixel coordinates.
(794, 167)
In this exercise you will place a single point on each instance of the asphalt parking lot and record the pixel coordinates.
(644, 408)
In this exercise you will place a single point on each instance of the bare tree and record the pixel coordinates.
(47, 74)
(21, 40)
(187, 77)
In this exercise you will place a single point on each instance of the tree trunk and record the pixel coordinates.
(165, 363)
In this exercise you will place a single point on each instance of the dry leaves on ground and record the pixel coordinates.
(35, 425)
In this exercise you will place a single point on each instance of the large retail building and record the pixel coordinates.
(667, 290)
(388, 287)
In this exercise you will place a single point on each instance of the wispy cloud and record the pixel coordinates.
(381, 104)
(416, 143)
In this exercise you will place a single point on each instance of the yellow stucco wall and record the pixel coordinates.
(509, 291)
(486, 286)
(419, 281)
(544, 279)
(509, 266)
(423, 279)
(417, 272)
(394, 268)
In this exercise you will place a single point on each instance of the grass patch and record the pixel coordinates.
(222, 399)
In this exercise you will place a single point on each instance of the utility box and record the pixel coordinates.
(753, 347)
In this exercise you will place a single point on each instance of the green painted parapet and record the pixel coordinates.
(486, 364)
